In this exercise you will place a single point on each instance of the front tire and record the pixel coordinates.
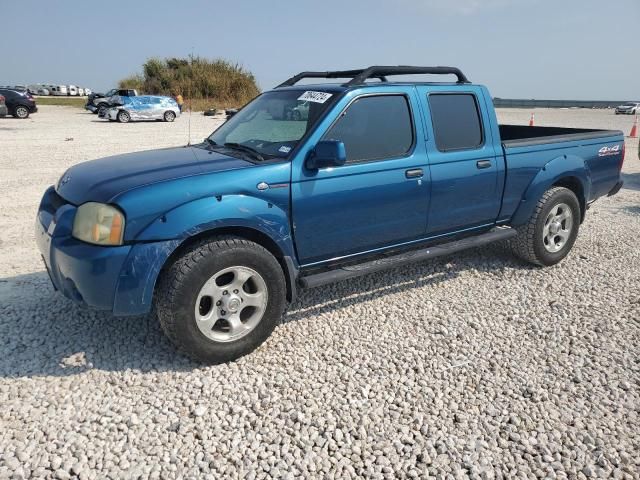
(551, 231)
(221, 299)
(123, 116)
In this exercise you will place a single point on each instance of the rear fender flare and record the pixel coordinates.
(562, 168)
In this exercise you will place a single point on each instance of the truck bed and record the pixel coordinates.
(523, 135)
(550, 152)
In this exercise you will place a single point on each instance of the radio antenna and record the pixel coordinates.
(190, 97)
(189, 122)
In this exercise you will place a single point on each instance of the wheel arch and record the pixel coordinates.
(569, 171)
(287, 264)
(575, 185)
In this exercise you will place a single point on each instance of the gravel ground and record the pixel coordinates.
(475, 365)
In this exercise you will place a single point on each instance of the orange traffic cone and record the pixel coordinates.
(634, 129)
(531, 120)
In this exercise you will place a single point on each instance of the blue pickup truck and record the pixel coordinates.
(217, 237)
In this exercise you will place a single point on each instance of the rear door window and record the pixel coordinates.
(374, 128)
(456, 121)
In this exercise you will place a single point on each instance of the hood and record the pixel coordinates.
(103, 179)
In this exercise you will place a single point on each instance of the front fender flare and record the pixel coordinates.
(157, 242)
(561, 168)
(211, 213)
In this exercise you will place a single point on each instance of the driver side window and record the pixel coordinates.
(374, 128)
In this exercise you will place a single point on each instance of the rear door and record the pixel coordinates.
(379, 197)
(466, 168)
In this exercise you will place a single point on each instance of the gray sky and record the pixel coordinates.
(564, 49)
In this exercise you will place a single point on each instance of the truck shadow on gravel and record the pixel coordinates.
(631, 181)
(44, 334)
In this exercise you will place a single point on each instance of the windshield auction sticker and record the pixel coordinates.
(317, 97)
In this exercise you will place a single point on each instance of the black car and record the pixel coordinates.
(19, 103)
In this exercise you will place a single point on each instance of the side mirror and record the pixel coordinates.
(327, 153)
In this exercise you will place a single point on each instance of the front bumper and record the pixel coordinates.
(117, 279)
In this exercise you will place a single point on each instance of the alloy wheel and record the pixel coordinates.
(231, 304)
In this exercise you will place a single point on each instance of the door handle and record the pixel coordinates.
(483, 163)
(414, 173)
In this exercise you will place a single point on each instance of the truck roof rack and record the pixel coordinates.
(358, 77)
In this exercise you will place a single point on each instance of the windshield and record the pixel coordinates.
(273, 124)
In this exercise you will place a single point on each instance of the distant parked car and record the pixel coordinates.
(72, 90)
(42, 91)
(58, 90)
(630, 108)
(3, 107)
(99, 102)
(19, 103)
(87, 91)
(80, 91)
(145, 107)
(300, 112)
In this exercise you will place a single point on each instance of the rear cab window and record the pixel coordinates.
(456, 121)
(366, 131)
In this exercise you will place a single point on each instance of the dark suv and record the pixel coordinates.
(19, 103)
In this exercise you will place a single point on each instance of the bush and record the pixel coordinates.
(213, 83)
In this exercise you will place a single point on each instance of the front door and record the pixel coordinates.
(380, 196)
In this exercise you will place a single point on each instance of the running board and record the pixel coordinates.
(415, 256)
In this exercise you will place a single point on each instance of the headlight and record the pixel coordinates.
(99, 224)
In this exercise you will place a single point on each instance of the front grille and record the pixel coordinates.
(52, 202)
(56, 200)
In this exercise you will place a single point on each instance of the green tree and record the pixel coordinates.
(212, 83)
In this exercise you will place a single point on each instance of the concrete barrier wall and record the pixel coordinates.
(522, 103)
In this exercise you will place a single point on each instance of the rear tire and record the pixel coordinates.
(551, 231)
(21, 112)
(169, 116)
(202, 297)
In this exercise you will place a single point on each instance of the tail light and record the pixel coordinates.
(1, 98)
(624, 150)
